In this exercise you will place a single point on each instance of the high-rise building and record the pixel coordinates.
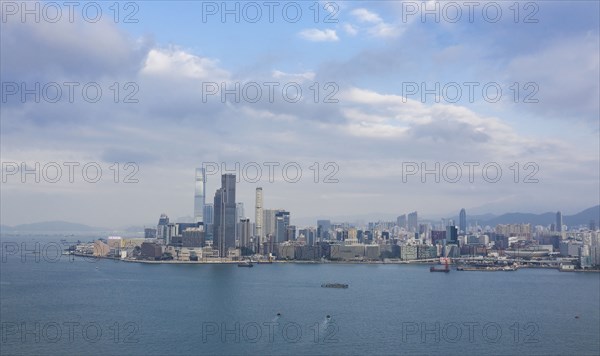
(239, 215)
(245, 233)
(199, 195)
(323, 229)
(413, 224)
(269, 221)
(258, 214)
(309, 233)
(451, 235)
(193, 237)
(559, 222)
(149, 233)
(282, 221)
(401, 221)
(225, 215)
(462, 226)
(162, 228)
(209, 214)
(239, 211)
(290, 233)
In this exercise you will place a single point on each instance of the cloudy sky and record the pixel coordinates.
(387, 89)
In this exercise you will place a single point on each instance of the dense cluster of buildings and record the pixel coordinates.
(221, 231)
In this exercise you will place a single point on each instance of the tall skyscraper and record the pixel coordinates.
(282, 221)
(258, 214)
(451, 234)
(162, 227)
(225, 215)
(269, 221)
(323, 228)
(199, 195)
(559, 222)
(209, 214)
(245, 233)
(401, 221)
(239, 211)
(462, 226)
(413, 224)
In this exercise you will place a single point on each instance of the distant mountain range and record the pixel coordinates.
(51, 226)
(582, 218)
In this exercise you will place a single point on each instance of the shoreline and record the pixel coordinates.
(216, 262)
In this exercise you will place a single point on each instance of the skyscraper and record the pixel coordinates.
(269, 221)
(282, 221)
(559, 222)
(258, 213)
(239, 211)
(245, 233)
(462, 226)
(225, 215)
(209, 214)
(323, 228)
(401, 221)
(413, 222)
(451, 234)
(199, 195)
(161, 228)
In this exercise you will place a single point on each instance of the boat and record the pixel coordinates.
(245, 264)
(334, 285)
(446, 268)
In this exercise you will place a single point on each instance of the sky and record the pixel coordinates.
(357, 108)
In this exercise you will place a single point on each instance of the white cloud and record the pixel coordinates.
(297, 77)
(176, 62)
(317, 35)
(364, 15)
(376, 27)
(351, 30)
(368, 133)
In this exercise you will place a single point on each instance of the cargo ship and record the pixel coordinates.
(334, 285)
(446, 268)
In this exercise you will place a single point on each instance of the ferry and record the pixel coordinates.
(245, 264)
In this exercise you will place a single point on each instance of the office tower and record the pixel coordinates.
(225, 213)
(413, 222)
(239, 215)
(269, 221)
(323, 228)
(199, 195)
(149, 233)
(462, 226)
(245, 233)
(401, 221)
(161, 228)
(239, 211)
(559, 222)
(193, 237)
(309, 234)
(258, 214)
(290, 233)
(209, 214)
(592, 225)
(282, 221)
(451, 235)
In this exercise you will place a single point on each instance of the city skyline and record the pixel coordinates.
(389, 176)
